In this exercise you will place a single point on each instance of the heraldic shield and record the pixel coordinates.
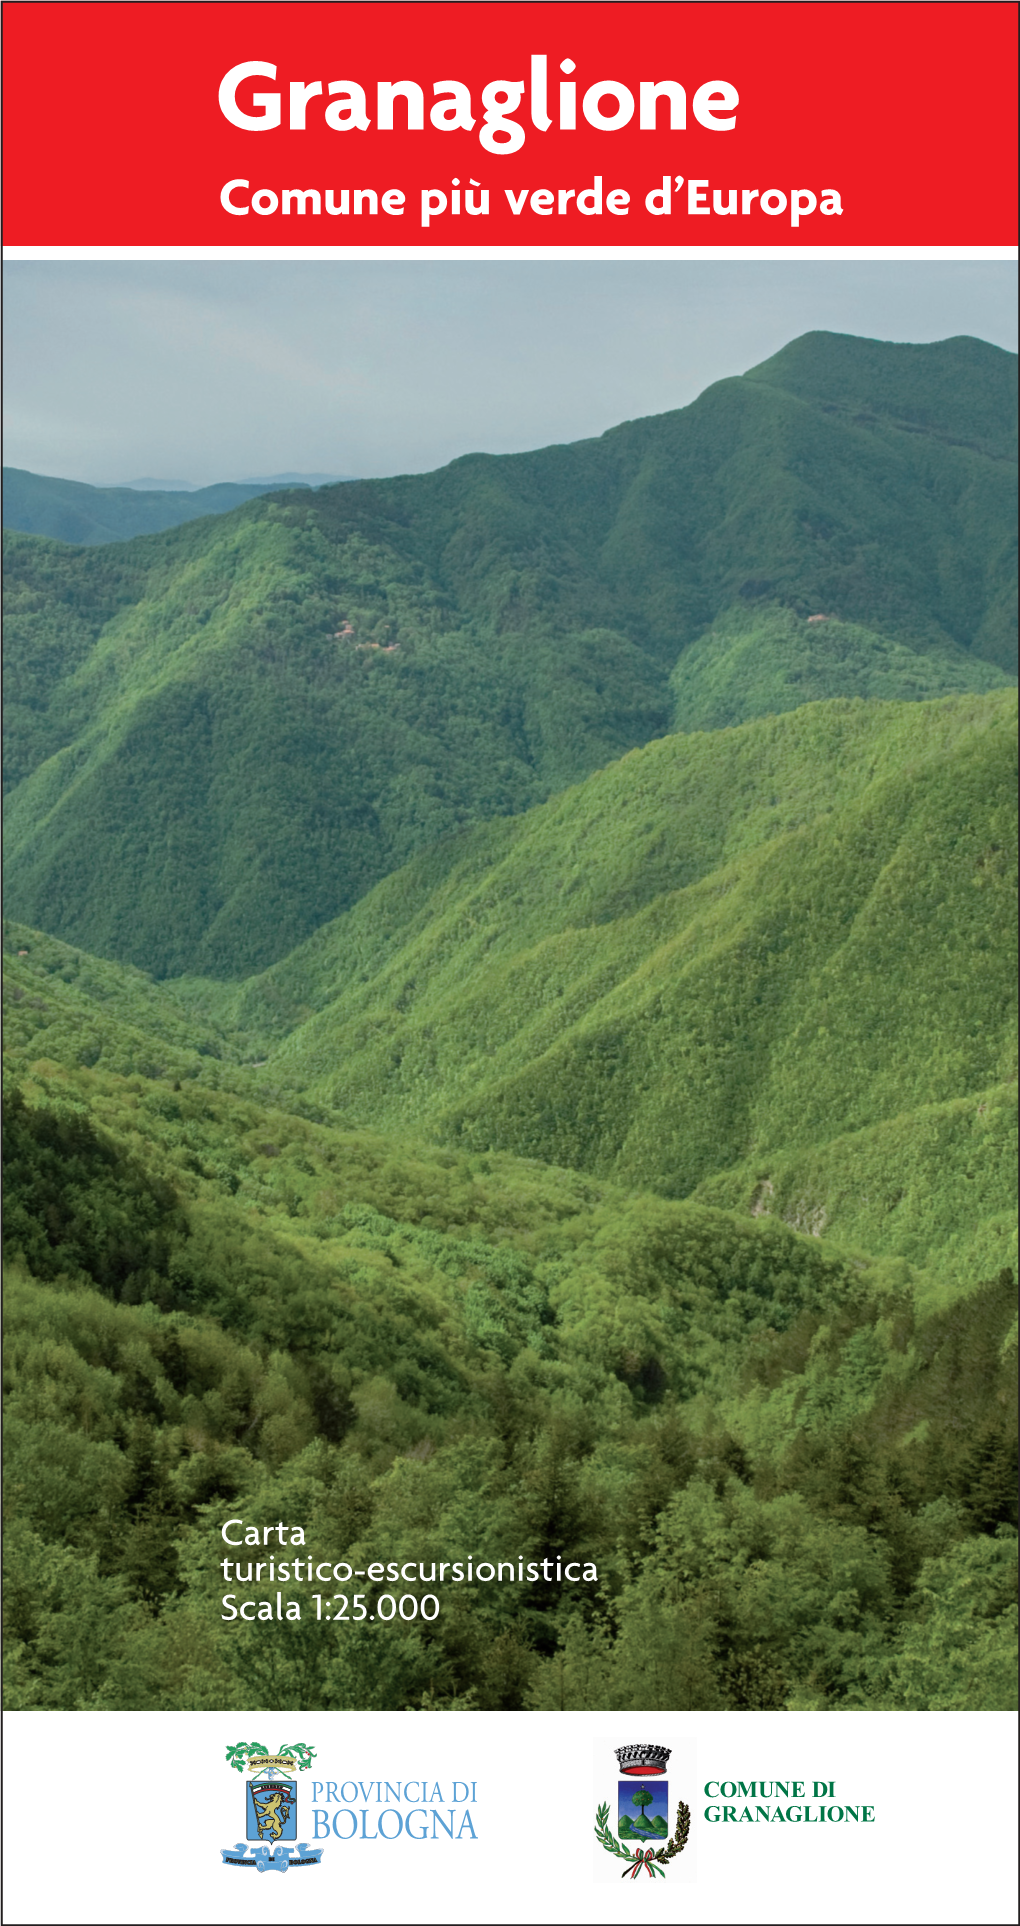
(643, 1804)
(272, 1807)
(642, 1839)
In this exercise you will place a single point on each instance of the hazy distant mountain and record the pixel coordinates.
(73, 511)
(297, 481)
(224, 735)
(161, 485)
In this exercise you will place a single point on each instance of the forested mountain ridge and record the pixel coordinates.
(566, 1110)
(224, 735)
(944, 389)
(70, 511)
(724, 953)
(764, 659)
(771, 967)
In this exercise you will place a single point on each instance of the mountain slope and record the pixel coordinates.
(957, 390)
(723, 952)
(752, 1441)
(70, 511)
(764, 659)
(206, 770)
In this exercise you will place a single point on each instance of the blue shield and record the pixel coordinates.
(272, 1809)
(643, 1811)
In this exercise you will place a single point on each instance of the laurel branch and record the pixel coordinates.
(653, 1862)
(238, 1754)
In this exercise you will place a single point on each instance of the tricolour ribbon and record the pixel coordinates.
(643, 1858)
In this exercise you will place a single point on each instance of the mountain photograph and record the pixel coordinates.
(510, 1122)
(76, 512)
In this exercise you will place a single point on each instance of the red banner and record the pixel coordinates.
(509, 125)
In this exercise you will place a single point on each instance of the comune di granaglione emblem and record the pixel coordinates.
(643, 1813)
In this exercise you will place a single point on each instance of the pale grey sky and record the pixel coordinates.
(210, 371)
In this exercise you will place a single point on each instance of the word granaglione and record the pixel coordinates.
(342, 105)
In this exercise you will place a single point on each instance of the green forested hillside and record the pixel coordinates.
(83, 1009)
(70, 511)
(765, 659)
(723, 952)
(794, 1485)
(776, 1417)
(204, 770)
(510, 1052)
(944, 389)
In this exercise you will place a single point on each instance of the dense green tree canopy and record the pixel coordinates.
(762, 1443)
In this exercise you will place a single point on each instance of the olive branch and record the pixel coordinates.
(653, 1862)
(237, 1754)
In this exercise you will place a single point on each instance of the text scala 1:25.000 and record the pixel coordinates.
(359, 1610)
